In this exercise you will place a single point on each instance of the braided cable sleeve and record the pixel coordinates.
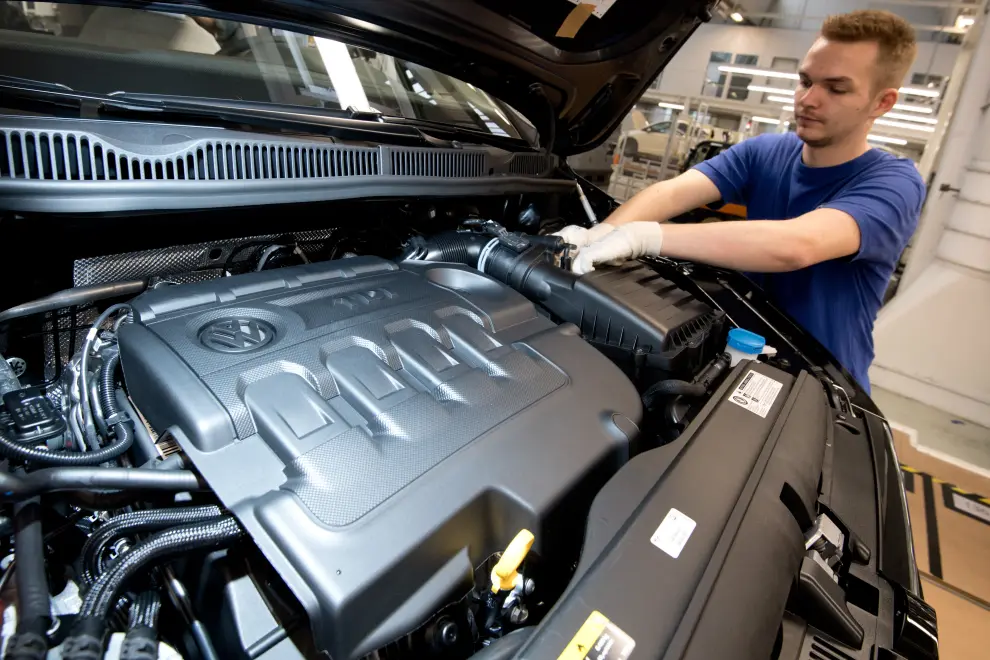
(145, 610)
(216, 533)
(150, 520)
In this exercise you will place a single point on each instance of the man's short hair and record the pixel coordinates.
(894, 36)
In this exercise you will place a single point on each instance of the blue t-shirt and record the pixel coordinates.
(836, 301)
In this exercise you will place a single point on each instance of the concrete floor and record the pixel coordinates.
(937, 433)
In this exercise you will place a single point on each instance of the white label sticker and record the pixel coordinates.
(981, 511)
(601, 6)
(756, 393)
(673, 533)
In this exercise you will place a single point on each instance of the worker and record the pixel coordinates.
(829, 215)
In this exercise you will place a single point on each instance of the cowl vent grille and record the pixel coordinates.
(532, 164)
(438, 162)
(72, 156)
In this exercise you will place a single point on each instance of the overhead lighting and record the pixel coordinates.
(904, 124)
(788, 108)
(886, 140)
(769, 73)
(920, 91)
(736, 16)
(965, 22)
(923, 109)
(672, 106)
(780, 99)
(765, 120)
(914, 118)
(769, 90)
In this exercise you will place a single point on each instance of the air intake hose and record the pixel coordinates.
(524, 263)
(451, 246)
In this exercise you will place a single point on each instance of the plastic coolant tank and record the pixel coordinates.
(744, 345)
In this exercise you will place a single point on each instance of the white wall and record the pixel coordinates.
(818, 9)
(685, 74)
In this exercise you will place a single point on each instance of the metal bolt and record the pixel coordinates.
(529, 586)
(518, 615)
(448, 633)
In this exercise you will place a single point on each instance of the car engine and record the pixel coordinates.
(361, 457)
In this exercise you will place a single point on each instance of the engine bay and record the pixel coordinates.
(359, 443)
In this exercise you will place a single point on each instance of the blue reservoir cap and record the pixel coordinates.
(746, 341)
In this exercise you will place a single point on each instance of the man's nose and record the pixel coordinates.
(809, 97)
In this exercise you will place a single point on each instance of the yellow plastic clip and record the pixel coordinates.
(507, 569)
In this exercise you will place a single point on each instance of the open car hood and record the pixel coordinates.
(592, 61)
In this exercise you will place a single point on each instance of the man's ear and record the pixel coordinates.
(885, 102)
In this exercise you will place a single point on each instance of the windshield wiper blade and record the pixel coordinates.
(262, 114)
(455, 132)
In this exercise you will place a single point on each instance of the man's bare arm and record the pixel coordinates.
(765, 246)
(667, 199)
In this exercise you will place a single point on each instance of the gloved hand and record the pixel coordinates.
(580, 237)
(629, 241)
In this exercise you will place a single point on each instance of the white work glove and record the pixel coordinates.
(629, 241)
(580, 237)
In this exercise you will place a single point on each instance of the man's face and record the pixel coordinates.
(837, 95)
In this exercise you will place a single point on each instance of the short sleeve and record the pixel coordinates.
(886, 206)
(731, 170)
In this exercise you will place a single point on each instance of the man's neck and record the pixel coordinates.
(835, 154)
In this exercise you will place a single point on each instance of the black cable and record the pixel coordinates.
(55, 479)
(127, 524)
(33, 605)
(89, 430)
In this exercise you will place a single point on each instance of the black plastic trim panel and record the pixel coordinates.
(110, 197)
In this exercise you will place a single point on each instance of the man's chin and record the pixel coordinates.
(813, 138)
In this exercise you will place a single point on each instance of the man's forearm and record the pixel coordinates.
(746, 245)
(667, 199)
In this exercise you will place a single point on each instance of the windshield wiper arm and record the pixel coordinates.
(262, 114)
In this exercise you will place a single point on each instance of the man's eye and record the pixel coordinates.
(838, 90)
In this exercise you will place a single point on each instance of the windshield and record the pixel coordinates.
(109, 49)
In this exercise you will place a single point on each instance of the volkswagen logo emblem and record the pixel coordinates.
(236, 335)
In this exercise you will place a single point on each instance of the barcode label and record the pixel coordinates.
(756, 393)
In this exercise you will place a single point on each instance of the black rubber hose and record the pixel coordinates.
(504, 648)
(79, 295)
(213, 534)
(141, 640)
(82, 478)
(33, 605)
(673, 386)
(13, 449)
(449, 246)
(128, 524)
